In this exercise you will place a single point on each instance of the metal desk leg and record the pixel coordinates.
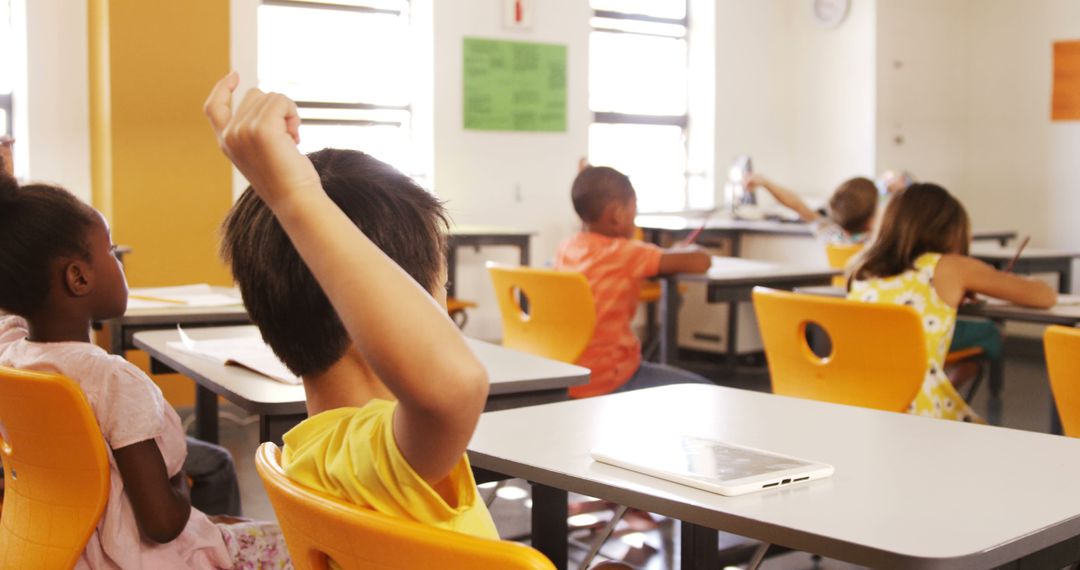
(699, 547)
(1055, 419)
(523, 252)
(549, 528)
(206, 415)
(669, 319)
(272, 428)
(732, 336)
(451, 269)
(116, 338)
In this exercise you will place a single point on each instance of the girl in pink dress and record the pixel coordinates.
(57, 275)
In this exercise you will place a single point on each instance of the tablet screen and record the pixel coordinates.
(716, 460)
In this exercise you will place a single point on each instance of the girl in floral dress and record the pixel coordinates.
(919, 259)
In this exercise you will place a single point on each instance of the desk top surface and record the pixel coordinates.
(907, 491)
(740, 271)
(510, 371)
(995, 252)
(180, 314)
(688, 222)
(1065, 312)
(461, 230)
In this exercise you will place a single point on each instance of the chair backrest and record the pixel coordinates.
(878, 351)
(560, 316)
(839, 255)
(1062, 345)
(56, 470)
(318, 527)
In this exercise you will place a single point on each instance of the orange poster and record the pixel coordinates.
(1066, 99)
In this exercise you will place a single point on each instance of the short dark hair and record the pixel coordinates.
(854, 204)
(38, 224)
(280, 293)
(597, 186)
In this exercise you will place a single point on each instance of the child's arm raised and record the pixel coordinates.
(955, 275)
(409, 341)
(786, 197)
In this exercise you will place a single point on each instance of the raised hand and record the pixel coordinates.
(260, 138)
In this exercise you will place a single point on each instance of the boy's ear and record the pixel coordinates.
(78, 279)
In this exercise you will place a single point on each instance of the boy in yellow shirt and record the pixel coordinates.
(340, 261)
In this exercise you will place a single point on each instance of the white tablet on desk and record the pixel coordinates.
(712, 465)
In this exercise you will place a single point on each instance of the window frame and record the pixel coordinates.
(682, 121)
(301, 105)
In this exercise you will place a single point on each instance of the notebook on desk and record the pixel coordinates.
(246, 352)
(710, 465)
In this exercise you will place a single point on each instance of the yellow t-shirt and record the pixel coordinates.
(351, 454)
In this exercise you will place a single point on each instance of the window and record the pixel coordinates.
(351, 67)
(638, 93)
(7, 67)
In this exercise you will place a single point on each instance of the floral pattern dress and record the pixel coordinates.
(915, 288)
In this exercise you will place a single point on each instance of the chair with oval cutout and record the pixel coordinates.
(556, 319)
(56, 470)
(319, 528)
(860, 370)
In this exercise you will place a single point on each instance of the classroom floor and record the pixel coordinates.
(654, 546)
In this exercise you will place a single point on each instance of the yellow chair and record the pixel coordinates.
(318, 527)
(560, 316)
(456, 309)
(1062, 345)
(56, 470)
(839, 255)
(861, 370)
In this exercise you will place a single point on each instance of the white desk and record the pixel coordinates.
(122, 329)
(517, 379)
(662, 228)
(730, 280)
(477, 236)
(1032, 260)
(908, 492)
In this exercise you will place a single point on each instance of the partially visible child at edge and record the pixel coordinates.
(852, 209)
(919, 259)
(58, 273)
(615, 264)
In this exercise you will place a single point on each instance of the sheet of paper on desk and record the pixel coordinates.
(1068, 300)
(248, 352)
(199, 295)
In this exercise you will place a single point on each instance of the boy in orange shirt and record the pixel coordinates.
(615, 264)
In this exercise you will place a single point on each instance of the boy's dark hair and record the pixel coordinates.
(597, 186)
(280, 293)
(38, 224)
(853, 204)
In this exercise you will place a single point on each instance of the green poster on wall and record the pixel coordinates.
(514, 86)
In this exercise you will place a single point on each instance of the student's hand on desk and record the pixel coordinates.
(260, 138)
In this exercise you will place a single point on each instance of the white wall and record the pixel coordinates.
(511, 179)
(52, 115)
(967, 83)
(797, 97)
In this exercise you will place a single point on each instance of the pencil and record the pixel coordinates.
(157, 299)
(1019, 250)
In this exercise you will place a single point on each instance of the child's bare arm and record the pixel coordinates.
(786, 197)
(161, 507)
(409, 341)
(957, 274)
(690, 259)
